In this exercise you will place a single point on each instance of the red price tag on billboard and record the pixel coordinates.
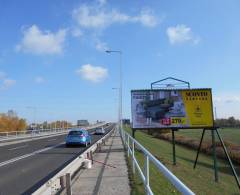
(166, 121)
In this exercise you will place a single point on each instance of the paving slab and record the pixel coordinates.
(109, 173)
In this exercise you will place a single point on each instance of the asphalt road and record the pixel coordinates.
(23, 174)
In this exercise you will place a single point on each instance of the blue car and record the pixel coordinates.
(78, 137)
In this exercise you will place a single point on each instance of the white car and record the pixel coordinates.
(99, 131)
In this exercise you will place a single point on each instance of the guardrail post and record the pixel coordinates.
(68, 184)
(63, 181)
(91, 156)
(146, 173)
(98, 147)
(88, 156)
(125, 139)
(133, 157)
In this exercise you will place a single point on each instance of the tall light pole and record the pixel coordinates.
(116, 88)
(120, 85)
(34, 108)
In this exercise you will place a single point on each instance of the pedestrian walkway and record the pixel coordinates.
(109, 173)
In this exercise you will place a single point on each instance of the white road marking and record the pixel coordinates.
(30, 139)
(27, 155)
(24, 146)
(51, 140)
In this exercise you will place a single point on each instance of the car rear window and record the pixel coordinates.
(75, 133)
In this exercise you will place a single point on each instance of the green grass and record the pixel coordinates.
(136, 183)
(200, 180)
(155, 176)
(228, 134)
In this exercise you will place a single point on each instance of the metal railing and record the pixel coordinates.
(13, 135)
(63, 178)
(131, 144)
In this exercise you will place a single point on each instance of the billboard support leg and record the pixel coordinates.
(214, 155)
(229, 159)
(199, 148)
(173, 144)
(133, 133)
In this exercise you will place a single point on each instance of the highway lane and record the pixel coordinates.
(14, 150)
(26, 175)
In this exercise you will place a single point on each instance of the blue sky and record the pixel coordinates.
(52, 54)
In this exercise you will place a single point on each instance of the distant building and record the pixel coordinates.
(82, 123)
(11, 113)
(32, 126)
(126, 121)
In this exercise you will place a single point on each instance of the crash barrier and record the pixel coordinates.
(62, 180)
(131, 145)
(13, 135)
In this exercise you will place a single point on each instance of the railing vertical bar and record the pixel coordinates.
(146, 172)
(127, 145)
(181, 187)
(133, 157)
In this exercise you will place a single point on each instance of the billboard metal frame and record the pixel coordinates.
(177, 128)
(180, 83)
(157, 85)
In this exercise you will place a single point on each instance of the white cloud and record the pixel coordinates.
(92, 73)
(7, 83)
(39, 79)
(227, 98)
(76, 32)
(102, 2)
(101, 46)
(99, 18)
(217, 99)
(227, 104)
(181, 34)
(91, 20)
(41, 42)
(146, 18)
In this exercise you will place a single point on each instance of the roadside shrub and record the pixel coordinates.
(233, 149)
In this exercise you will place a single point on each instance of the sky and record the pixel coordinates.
(53, 64)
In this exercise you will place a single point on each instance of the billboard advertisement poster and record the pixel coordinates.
(175, 108)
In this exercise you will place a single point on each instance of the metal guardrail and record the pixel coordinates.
(13, 135)
(63, 178)
(131, 144)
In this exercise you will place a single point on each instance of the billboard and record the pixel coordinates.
(165, 108)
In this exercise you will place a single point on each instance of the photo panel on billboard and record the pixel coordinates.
(180, 108)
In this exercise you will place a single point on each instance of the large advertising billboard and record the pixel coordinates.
(180, 108)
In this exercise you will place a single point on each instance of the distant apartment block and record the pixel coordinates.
(82, 123)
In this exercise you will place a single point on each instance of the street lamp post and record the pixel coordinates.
(34, 108)
(118, 105)
(120, 85)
